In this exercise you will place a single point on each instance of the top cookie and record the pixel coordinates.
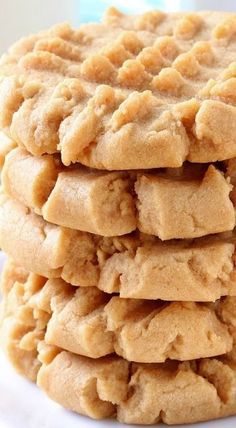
(132, 92)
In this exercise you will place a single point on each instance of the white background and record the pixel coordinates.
(22, 17)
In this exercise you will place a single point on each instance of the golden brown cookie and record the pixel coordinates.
(136, 265)
(111, 386)
(89, 322)
(181, 203)
(154, 393)
(132, 92)
(21, 327)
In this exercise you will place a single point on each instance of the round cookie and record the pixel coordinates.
(154, 393)
(87, 321)
(132, 92)
(111, 386)
(180, 203)
(135, 266)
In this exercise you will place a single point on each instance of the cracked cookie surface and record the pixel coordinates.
(170, 204)
(89, 322)
(135, 265)
(112, 386)
(132, 92)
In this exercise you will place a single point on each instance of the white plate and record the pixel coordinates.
(23, 405)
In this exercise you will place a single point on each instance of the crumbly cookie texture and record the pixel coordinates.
(171, 208)
(11, 273)
(89, 322)
(155, 393)
(136, 265)
(79, 198)
(170, 204)
(132, 92)
(21, 327)
(111, 386)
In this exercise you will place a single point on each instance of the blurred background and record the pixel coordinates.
(21, 17)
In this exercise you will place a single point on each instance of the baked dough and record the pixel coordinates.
(135, 265)
(132, 92)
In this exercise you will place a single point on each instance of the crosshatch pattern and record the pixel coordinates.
(133, 92)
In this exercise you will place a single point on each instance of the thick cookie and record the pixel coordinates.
(154, 393)
(109, 386)
(133, 92)
(136, 265)
(185, 203)
(87, 321)
(21, 327)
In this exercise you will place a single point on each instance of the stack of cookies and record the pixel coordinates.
(118, 154)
